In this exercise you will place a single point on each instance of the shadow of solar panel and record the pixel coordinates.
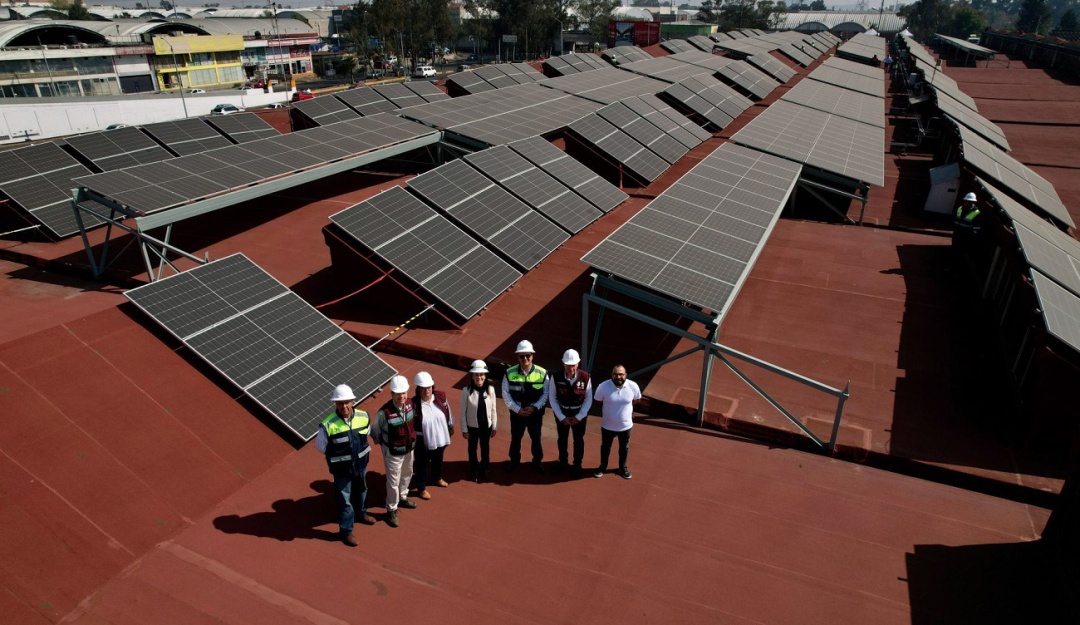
(697, 241)
(366, 101)
(642, 131)
(243, 127)
(445, 261)
(620, 147)
(487, 210)
(536, 188)
(426, 90)
(561, 166)
(187, 136)
(256, 332)
(400, 95)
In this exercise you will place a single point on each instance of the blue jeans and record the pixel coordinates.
(345, 487)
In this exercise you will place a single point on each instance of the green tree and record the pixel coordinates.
(818, 5)
(965, 20)
(738, 14)
(73, 9)
(1035, 17)
(708, 11)
(927, 17)
(1068, 22)
(596, 14)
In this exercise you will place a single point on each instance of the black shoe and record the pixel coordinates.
(599, 472)
(625, 473)
(407, 504)
(391, 518)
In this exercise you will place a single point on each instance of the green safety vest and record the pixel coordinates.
(346, 442)
(526, 389)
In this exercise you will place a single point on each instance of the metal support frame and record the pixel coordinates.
(861, 195)
(160, 247)
(711, 350)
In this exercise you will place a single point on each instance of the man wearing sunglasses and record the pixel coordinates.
(524, 389)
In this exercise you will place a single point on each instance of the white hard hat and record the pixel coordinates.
(570, 357)
(398, 384)
(970, 197)
(342, 392)
(478, 366)
(423, 379)
(524, 347)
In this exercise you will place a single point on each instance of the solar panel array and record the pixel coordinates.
(323, 111)
(677, 45)
(1060, 308)
(804, 55)
(494, 76)
(664, 68)
(187, 136)
(1012, 175)
(536, 188)
(366, 101)
(279, 350)
(38, 179)
(116, 149)
(243, 127)
(668, 120)
(429, 249)
(575, 63)
(863, 48)
(701, 42)
(620, 147)
(605, 86)
(850, 80)
(744, 47)
(625, 54)
(714, 101)
(771, 66)
(159, 186)
(643, 131)
(562, 167)
(399, 95)
(698, 240)
(962, 114)
(945, 84)
(838, 101)
(756, 82)
(702, 59)
(468, 82)
(533, 111)
(487, 210)
(828, 142)
(426, 90)
(851, 67)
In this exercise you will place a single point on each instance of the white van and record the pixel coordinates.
(423, 71)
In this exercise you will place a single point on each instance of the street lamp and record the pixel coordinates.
(179, 76)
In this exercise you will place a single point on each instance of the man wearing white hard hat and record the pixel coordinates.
(342, 438)
(434, 429)
(479, 418)
(394, 429)
(524, 391)
(570, 396)
(967, 224)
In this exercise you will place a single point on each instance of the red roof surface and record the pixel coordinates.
(137, 486)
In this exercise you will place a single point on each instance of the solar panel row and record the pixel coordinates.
(116, 149)
(714, 101)
(620, 147)
(38, 179)
(561, 166)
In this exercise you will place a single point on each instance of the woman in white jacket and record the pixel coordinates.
(479, 418)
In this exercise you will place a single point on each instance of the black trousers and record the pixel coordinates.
(427, 465)
(518, 426)
(579, 440)
(479, 436)
(606, 438)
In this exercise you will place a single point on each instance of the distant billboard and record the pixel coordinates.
(639, 34)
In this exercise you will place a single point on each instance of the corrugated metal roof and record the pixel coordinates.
(889, 22)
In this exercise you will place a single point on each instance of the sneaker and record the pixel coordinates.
(408, 504)
(391, 518)
(349, 539)
(442, 483)
(625, 473)
(366, 519)
(424, 495)
(599, 472)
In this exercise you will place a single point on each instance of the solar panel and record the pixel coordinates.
(644, 132)
(38, 179)
(677, 45)
(702, 43)
(852, 67)
(960, 113)
(468, 83)
(606, 85)
(854, 105)
(366, 101)
(863, 48)
(772, 66)
(702, 59)
(430, 250)
(187, 136)
(620, 147)
(1060, 308)
(279, 350)
(426, 90)
(400, 95)
(536, 111)
(816, 138)
(495, 76)
(243, 127)
(797, 54)
(756, 82)
(559, 66)
(562, 167)
(480, 206)
(1012, 175)
(553, 199)
(625, 54)
(323, 111)
(664, 68)
(119, 148)
(716, 103)
(698, 240)
(849, 80)
(649, 110)
(943, 83)
(527, 72)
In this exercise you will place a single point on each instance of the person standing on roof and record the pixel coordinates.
(343, 438)
(967, 215)
(888, 62)
(479, 418)
(524, 390)
(570, 396)
(434, 429)
(394, 429)
(618, 396)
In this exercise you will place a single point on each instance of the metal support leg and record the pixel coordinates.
(706, 374)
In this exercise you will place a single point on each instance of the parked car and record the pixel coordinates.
(225, 109)
(303, 94)
(194, 91)
(277, 105)
(464, 68)
(115, 126)
(423, 71)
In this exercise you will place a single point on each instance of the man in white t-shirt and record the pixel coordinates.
(618, 397)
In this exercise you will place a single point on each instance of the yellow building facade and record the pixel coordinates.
(197, 61)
